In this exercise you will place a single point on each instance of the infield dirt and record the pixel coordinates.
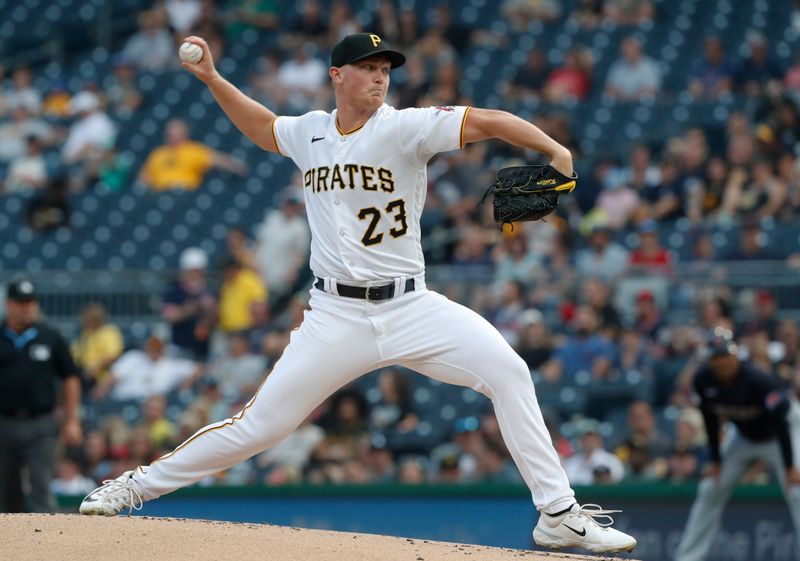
(68, 537)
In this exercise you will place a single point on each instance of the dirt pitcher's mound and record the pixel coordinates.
(57, 537)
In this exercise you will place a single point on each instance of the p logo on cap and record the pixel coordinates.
(375, 39)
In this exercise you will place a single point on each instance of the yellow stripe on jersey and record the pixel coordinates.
(463, 125)
(275, 137)
(358, 128)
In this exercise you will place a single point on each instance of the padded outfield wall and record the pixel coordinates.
(756, 527)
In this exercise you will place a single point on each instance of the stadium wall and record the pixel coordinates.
(756, 526)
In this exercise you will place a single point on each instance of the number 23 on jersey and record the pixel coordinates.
(395, 209)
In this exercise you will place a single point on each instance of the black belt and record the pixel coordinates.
(371, 293)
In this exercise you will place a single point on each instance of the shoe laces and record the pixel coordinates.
(117, 489)
(593, 512)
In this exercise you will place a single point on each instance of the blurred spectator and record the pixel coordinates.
(23, 93)
(342, 21)
(714, 184)
(15, 132)
(514, 261)
(520, 13)
(597, 295)
(304, 78)
(666, 200)
(634, 76)
(91, 134)
(535, 344)
(650, 255)
(649, 318)
(208, 27)
(530, 79)
(581, 468)
(49, 210)
(189, 307)
(151, 48)
(97, 453)
(616, 204)
(640, 173)
(284, 462)
(588, 14)
(762, 315)
(27, 172)
(415, 86)
(160, 431)
(603, 258)
(635, 354)
(380, 460)
(69, 480)
(411, 471)
(100, 343)
(443, 24)
(239, 248)
(757, 69)
(752, 244)
(644, 450)
(445, 87)
(345, 426)
(712, 75)
(140, 374)
(510, 307)
(572, 80)
(393, 411)
(496, 467)
(182, 163)
(761, 197)
(309, 25)
(182, 15)
(409, 28)
(628, 12)
(123, 96)
(56, 104)
(264, 82)
(257, 15)
(238, 372)
(585, 350)
(385, 23)
(241, 292)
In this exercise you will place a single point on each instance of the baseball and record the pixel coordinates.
(189, 52)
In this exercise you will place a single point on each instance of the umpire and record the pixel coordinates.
(33, 359)
(757, 404)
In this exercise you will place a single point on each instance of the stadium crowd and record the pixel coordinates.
(554, 287)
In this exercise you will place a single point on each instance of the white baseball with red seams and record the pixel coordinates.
(189, 52)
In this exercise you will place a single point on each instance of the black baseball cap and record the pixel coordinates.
(21, 290)
(719, 342)
(359, 46)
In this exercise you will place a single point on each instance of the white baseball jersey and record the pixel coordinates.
(365, 189)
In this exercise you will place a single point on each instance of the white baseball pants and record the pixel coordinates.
(341, 339)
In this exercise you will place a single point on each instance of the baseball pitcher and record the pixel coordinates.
(364, 170)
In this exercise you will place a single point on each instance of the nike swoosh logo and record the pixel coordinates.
(314, 139)
(581, 533)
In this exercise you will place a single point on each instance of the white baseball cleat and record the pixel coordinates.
(578, 528)
(113, 496)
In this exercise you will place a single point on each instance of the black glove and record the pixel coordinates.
(524, 193)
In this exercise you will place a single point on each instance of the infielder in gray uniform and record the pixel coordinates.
(757, 404)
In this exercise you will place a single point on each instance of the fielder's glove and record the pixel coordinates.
(524, 193)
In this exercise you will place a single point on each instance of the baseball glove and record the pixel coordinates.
(525, 193)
